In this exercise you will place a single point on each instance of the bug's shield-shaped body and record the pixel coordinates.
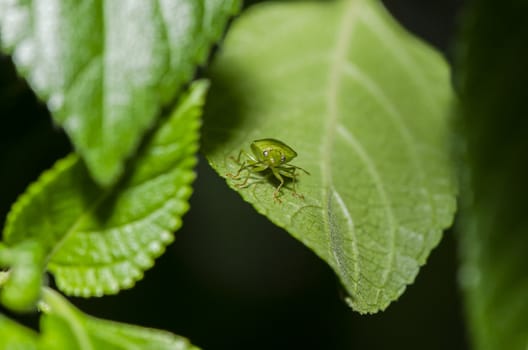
(268, 154)
(272, 152)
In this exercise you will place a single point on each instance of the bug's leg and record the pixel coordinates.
(298, 167)
(242, 165)
(242, 152)
(237, 159)
(294, 180)
(251, 160)
(235, 176)
(251, 169)
(291, 173)
(277, 174)
(289, 167)
(244, 182)
(252, 180)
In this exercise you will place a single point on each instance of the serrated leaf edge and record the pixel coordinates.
(35, 188)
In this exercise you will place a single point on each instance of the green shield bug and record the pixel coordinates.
(267, 154)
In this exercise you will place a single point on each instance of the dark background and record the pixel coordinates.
(232, 280)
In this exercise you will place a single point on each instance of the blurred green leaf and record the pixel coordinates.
(106, 68)
(16, 337)
(365, 105)
(98, 241)
(20, 287)
(65, 327)
(64, 324)
(493, 233)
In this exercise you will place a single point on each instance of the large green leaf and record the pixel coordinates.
(105, 68)
(65, 327)
(97, 241)
(494, 232)
(365, 105)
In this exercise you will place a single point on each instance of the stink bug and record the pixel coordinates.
(267, 154)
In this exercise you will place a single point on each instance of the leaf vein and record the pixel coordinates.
(371, 167)
(372, 87)
(379, 28)
(345, 31)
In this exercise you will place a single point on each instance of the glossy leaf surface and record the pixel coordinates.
(106, 68)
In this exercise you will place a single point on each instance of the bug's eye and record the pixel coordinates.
(265, 153)
(283, 159)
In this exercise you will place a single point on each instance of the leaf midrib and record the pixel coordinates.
(344, 37)
(75, 322)
(344, 30)
(102, 196)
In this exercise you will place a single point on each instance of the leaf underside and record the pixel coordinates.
(365, 106)
(106, 68)
(98, 241)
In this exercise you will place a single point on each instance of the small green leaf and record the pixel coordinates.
(494, 172)
(106, 68)
(20, 288)
(365, 106)
(16, 337)
(65, 327)
(98, 241)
